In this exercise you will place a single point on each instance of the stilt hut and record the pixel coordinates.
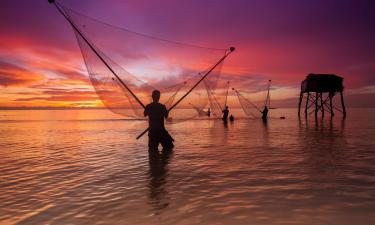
(319, 90)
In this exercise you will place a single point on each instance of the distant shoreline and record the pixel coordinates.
(69, 108)
(103, 108)
(50, 108)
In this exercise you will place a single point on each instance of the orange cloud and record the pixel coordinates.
(12, 75)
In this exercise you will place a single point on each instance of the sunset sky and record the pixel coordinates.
(41, 64)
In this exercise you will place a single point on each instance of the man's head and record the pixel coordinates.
(156, 95)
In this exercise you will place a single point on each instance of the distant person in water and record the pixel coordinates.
(156, 113)
(231, 118)
(264, 113)
(225, 113)
(208, 112)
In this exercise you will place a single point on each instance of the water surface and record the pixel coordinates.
(85, 167)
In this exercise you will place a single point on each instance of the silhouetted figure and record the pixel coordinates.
(231, 118)
(208, 112)
(225, 113)
(156, 113)
(264, 113)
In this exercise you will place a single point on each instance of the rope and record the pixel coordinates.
(137, 33)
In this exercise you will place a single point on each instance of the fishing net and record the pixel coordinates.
(254, 109)
(125, 67)
(250, 109)
(217, 97)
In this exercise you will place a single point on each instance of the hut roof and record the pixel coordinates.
(322, 83)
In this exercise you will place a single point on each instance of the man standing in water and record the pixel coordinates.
(156, 113)
(264, 113)
(225, 114)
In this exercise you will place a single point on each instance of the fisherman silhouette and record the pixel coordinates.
(156, 113)
(208, 112)
(231, 118)
(225, 113)
(264, 113)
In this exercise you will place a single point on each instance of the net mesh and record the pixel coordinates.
(250, 109)
(124, 66)
(254, 109)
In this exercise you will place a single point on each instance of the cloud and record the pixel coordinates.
(12, 75)
(363, 90)
(62, 95)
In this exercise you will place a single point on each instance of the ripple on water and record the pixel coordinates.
(284, 172)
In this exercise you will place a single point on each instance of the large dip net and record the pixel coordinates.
(125, 67)
(251, 108)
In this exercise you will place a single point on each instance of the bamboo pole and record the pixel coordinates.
(95, 51)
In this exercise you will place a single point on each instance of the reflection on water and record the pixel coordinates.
(85, 167)
(158, 163)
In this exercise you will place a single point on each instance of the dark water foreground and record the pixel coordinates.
(85, 167)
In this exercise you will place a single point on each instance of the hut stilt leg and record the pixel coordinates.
(316, 103)
(330, 104)
(321, 103)
(343, 104)
(299, 103)
(307, 102)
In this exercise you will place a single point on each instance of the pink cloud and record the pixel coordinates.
(12, 75)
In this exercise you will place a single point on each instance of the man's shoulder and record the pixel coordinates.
(148, 105)
(155, 105)
(162, 106)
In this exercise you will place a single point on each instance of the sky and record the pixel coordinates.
(41, 64)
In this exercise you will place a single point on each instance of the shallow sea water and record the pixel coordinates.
(85, 167)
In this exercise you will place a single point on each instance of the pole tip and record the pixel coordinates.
(51, 1)
(232, 49)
